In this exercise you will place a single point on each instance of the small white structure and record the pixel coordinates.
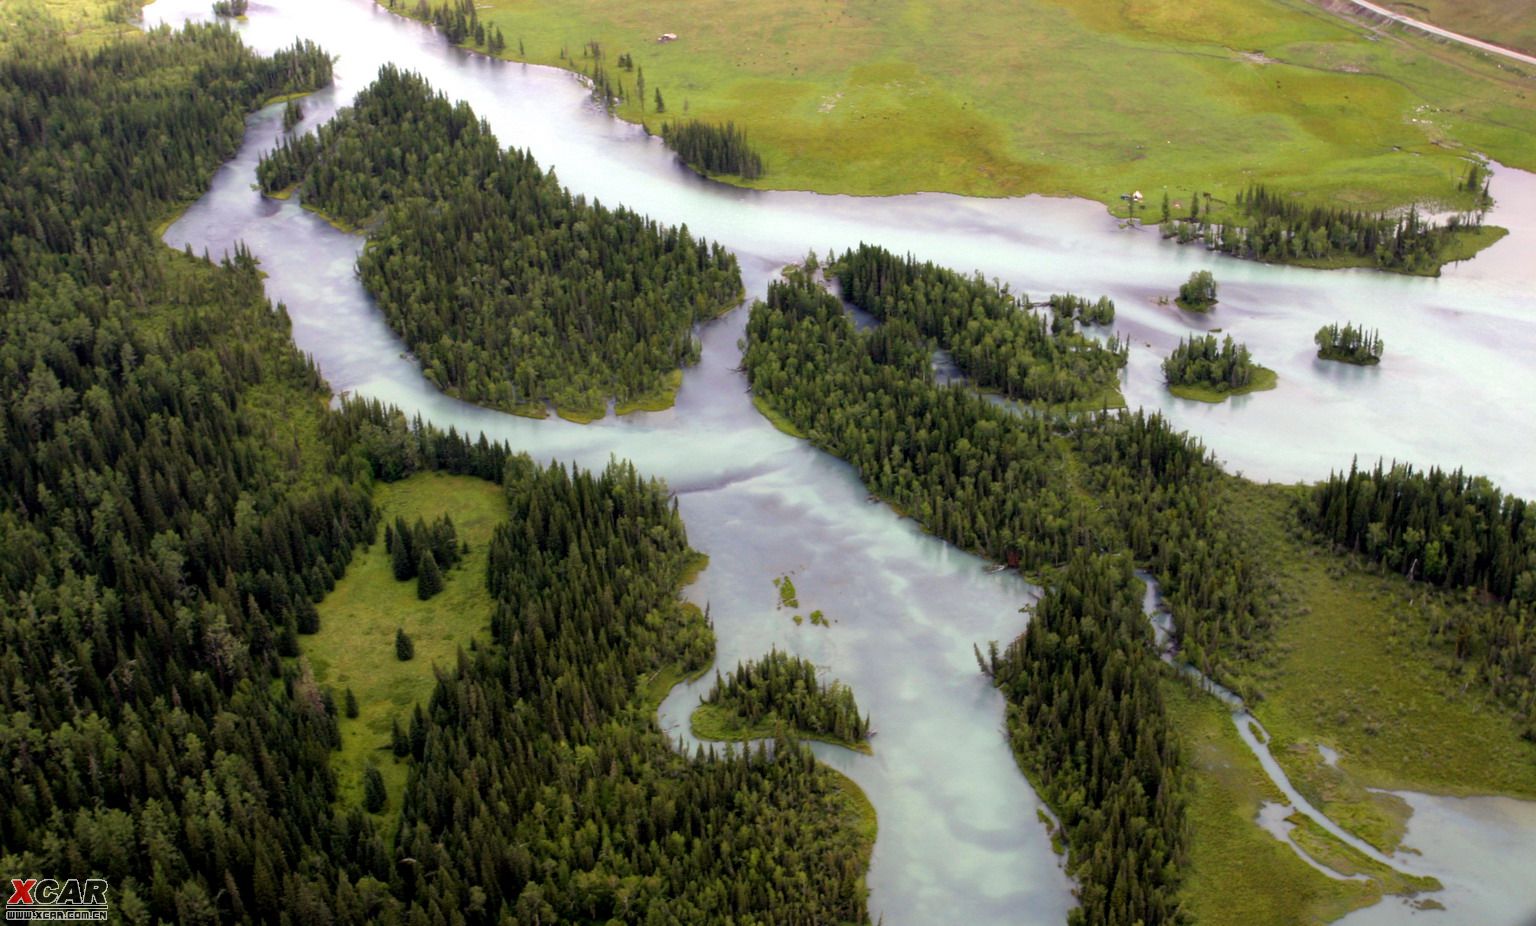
(1136, 197)
(666, 37)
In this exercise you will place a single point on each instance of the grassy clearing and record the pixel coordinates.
(1350, 668)
(1239, 875)
(1263, 380)
(713, 722)
(355, 647)
(1075, 97)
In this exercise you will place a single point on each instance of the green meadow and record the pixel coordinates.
(1061, 97)
(355, 647)
(1351, 667)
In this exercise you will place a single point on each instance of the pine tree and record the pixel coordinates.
(404, 648)
(350, 704)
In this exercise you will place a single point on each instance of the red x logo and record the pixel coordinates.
(21, 891)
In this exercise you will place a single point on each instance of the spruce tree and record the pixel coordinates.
(429, 578)
(350, 704)
(374, 794)
(403, 557)
(404, 648)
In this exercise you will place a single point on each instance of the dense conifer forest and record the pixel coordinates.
(992, 334)
(1086, 717)
(713, 149)
(782, 689)
(584, 302)
(168, 519)
(177, 496)
(1458, 532)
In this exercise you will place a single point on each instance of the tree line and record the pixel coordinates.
(541, 789)
(995, 336)
(1457, 532)
(713, 149)
(510, 290)
(98, 145)
(1042, 493)
(1025, 490)
(164, 534)
(782, 689)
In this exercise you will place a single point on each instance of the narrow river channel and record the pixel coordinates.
(959, 841)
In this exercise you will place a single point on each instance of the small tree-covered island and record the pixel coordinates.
(1349, 344)
(1208, 370)
(1198, 293)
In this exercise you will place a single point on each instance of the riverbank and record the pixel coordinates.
(882, 100)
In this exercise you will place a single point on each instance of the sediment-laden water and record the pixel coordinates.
(959, 836)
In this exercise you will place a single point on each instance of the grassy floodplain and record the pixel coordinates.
(1239, 875)
(1350, 668)
(1071, 97)
(355, 647)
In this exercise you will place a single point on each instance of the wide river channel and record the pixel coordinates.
(960, 841)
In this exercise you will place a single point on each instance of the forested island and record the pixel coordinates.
(995, 336)
(586, 303)
(1208, 370)
(1349, 344)
(777, 695)
(1264, 225)
(178, 496)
